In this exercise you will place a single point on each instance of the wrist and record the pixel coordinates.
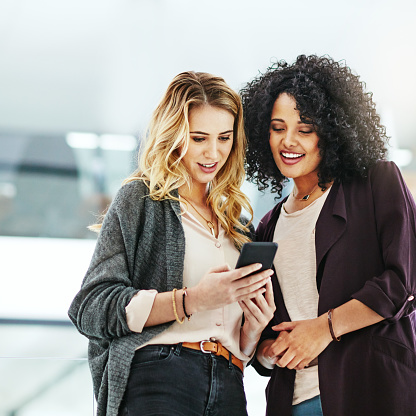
(323, 320)
(192, 304)
(250, 334)
(248, 343)
(176, 308)
(331, 326)
(262, 356)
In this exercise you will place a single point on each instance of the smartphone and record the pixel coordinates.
(257, 252)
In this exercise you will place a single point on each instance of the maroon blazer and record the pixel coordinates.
(365, 249)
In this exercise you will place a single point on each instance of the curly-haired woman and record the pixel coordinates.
(342, 341)
(176, 223)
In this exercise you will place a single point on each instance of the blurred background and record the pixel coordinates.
(78, 83)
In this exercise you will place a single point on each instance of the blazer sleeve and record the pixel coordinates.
(392, 294)
(98, 309)
(264, 233)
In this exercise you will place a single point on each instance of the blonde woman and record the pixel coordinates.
(159, 303)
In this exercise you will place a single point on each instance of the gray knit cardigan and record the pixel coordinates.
(141, 246)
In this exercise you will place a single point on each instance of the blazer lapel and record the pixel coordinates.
(331, 223)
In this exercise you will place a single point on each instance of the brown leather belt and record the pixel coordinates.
(215, 348)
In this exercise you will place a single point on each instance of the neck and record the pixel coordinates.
(304, 197)
(305, 186)
(197, 194)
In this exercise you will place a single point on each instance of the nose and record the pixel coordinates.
(290, 139)
(211, 150)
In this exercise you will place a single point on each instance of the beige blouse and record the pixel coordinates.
(202, 252)
(295, 267)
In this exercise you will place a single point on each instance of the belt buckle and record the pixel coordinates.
(201, 347)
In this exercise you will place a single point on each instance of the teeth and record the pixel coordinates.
(211, 165)
(292, 155)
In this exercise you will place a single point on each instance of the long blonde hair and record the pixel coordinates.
(167, 141)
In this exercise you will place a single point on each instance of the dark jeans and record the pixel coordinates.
(170, 380)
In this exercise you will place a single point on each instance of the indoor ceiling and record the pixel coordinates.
(102, 65)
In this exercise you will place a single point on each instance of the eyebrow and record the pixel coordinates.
(207, 134)
(299, 122)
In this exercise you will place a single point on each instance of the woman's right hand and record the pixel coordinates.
(222, 286)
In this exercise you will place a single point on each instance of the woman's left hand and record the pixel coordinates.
(299, 342)
(258, 312)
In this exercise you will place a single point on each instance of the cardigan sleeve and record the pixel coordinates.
(98, 309)
(392, 294)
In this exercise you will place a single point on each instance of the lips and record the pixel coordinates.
(208, 167)
(291, 158)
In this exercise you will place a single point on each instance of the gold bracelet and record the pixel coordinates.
(174, 308)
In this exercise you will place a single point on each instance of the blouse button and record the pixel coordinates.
(410, 298)
(218, 244)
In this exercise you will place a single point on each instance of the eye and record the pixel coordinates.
(306, 128)
(224, 138)
(198, 139)
(277, 129)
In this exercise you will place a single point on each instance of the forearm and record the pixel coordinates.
(258, 312)
(248, 344)
(218, 288)
(300, 342)
(100, 313)
(352, 316)
(162, 309)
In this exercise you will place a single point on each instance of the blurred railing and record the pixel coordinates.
(44, 369)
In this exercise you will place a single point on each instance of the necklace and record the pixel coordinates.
(306, 197)
(210, 224)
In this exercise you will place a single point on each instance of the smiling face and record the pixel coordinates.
(211, 141)
(293, 142)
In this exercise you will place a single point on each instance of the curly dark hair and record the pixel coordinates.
(351, 138)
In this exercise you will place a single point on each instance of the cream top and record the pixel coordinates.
(202, 252)
(295, 265)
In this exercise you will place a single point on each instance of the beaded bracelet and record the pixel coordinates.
(175, 312)
(331, 329)
(185, 293)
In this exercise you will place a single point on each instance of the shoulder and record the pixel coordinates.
(129, 202)
(388, 189)
(385, 178)
(271, 215)
(126, 201)
(384, 169)
(269, 220)
(133, 190)
(134, 196)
